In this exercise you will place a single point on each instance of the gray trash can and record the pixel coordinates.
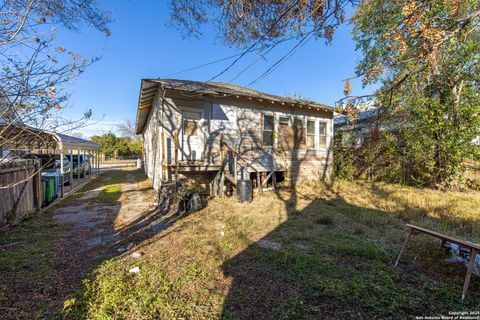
(245, 190)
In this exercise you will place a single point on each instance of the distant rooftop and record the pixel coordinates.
(365, 111)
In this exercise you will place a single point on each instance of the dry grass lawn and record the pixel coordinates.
(309, 253)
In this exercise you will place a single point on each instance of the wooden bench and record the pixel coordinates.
(474, 248)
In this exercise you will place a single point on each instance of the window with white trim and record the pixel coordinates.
(268, 126)
(310, 134)
(322, 131)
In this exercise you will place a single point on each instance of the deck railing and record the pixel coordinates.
(229, 155)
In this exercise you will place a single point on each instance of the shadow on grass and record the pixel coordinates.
(43, 263)
(332, 259)
(329, 259)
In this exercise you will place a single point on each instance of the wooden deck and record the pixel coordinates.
(194, 167)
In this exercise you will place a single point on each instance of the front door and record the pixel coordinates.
(192, 142)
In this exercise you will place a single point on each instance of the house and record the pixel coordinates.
(359, 126)
(217, 133)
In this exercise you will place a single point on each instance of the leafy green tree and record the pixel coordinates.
(426, 55)
(135, 147)
(111, 145)
(121, 146)
(107, 143)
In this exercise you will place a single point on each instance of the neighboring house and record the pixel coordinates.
(359, 126)
(272, 137)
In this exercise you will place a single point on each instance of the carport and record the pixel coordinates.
(18, 137)
(78, 148)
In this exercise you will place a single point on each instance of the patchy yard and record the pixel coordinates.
(307, 254)
(44, 259)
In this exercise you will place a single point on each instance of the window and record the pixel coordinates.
(285, 134)
(298, 134)
(190, 127)
(310, 134)
(268, 130)
(323, 135)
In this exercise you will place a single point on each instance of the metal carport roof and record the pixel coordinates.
(23, 136)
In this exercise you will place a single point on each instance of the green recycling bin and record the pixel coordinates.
(49, 189)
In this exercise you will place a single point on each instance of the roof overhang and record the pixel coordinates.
(149, 88)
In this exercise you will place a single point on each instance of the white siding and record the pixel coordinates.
(240, 121)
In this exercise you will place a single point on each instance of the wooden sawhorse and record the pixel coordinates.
(474, 248)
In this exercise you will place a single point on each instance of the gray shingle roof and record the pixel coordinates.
(213, 89)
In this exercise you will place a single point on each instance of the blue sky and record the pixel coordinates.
(142, 45)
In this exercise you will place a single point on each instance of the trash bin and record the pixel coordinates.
(139, 163)
(49, 189)
(245, 190)
(58, 182)
(44, 190)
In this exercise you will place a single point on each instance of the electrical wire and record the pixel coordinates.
(255, 43)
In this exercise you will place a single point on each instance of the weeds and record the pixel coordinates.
(29, 261)
(332, 257)
(325, 219)
(336, 250)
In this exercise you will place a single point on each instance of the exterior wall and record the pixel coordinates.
(152, 145)
(240, 122)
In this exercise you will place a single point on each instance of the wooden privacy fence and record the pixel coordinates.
(20, 190)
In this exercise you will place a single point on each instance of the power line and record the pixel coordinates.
(282, 59)
(221, 59)
(303, 40)
(205, 64)
(256, 42)
(262, 56)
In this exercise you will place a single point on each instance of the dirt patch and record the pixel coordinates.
(49, 255)
(91, 194)
(134, 202)
(269, 244)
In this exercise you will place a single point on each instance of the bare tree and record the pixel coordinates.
(243, 22)
(127, 129)
(35, 69)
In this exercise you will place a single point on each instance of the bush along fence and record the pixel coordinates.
(20, 190)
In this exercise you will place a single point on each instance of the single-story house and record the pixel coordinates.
(205, 129)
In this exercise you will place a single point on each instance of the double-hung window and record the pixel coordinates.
(310, 134)
(268, 127)
(322, 130)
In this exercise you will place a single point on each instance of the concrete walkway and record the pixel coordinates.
(97, 222)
